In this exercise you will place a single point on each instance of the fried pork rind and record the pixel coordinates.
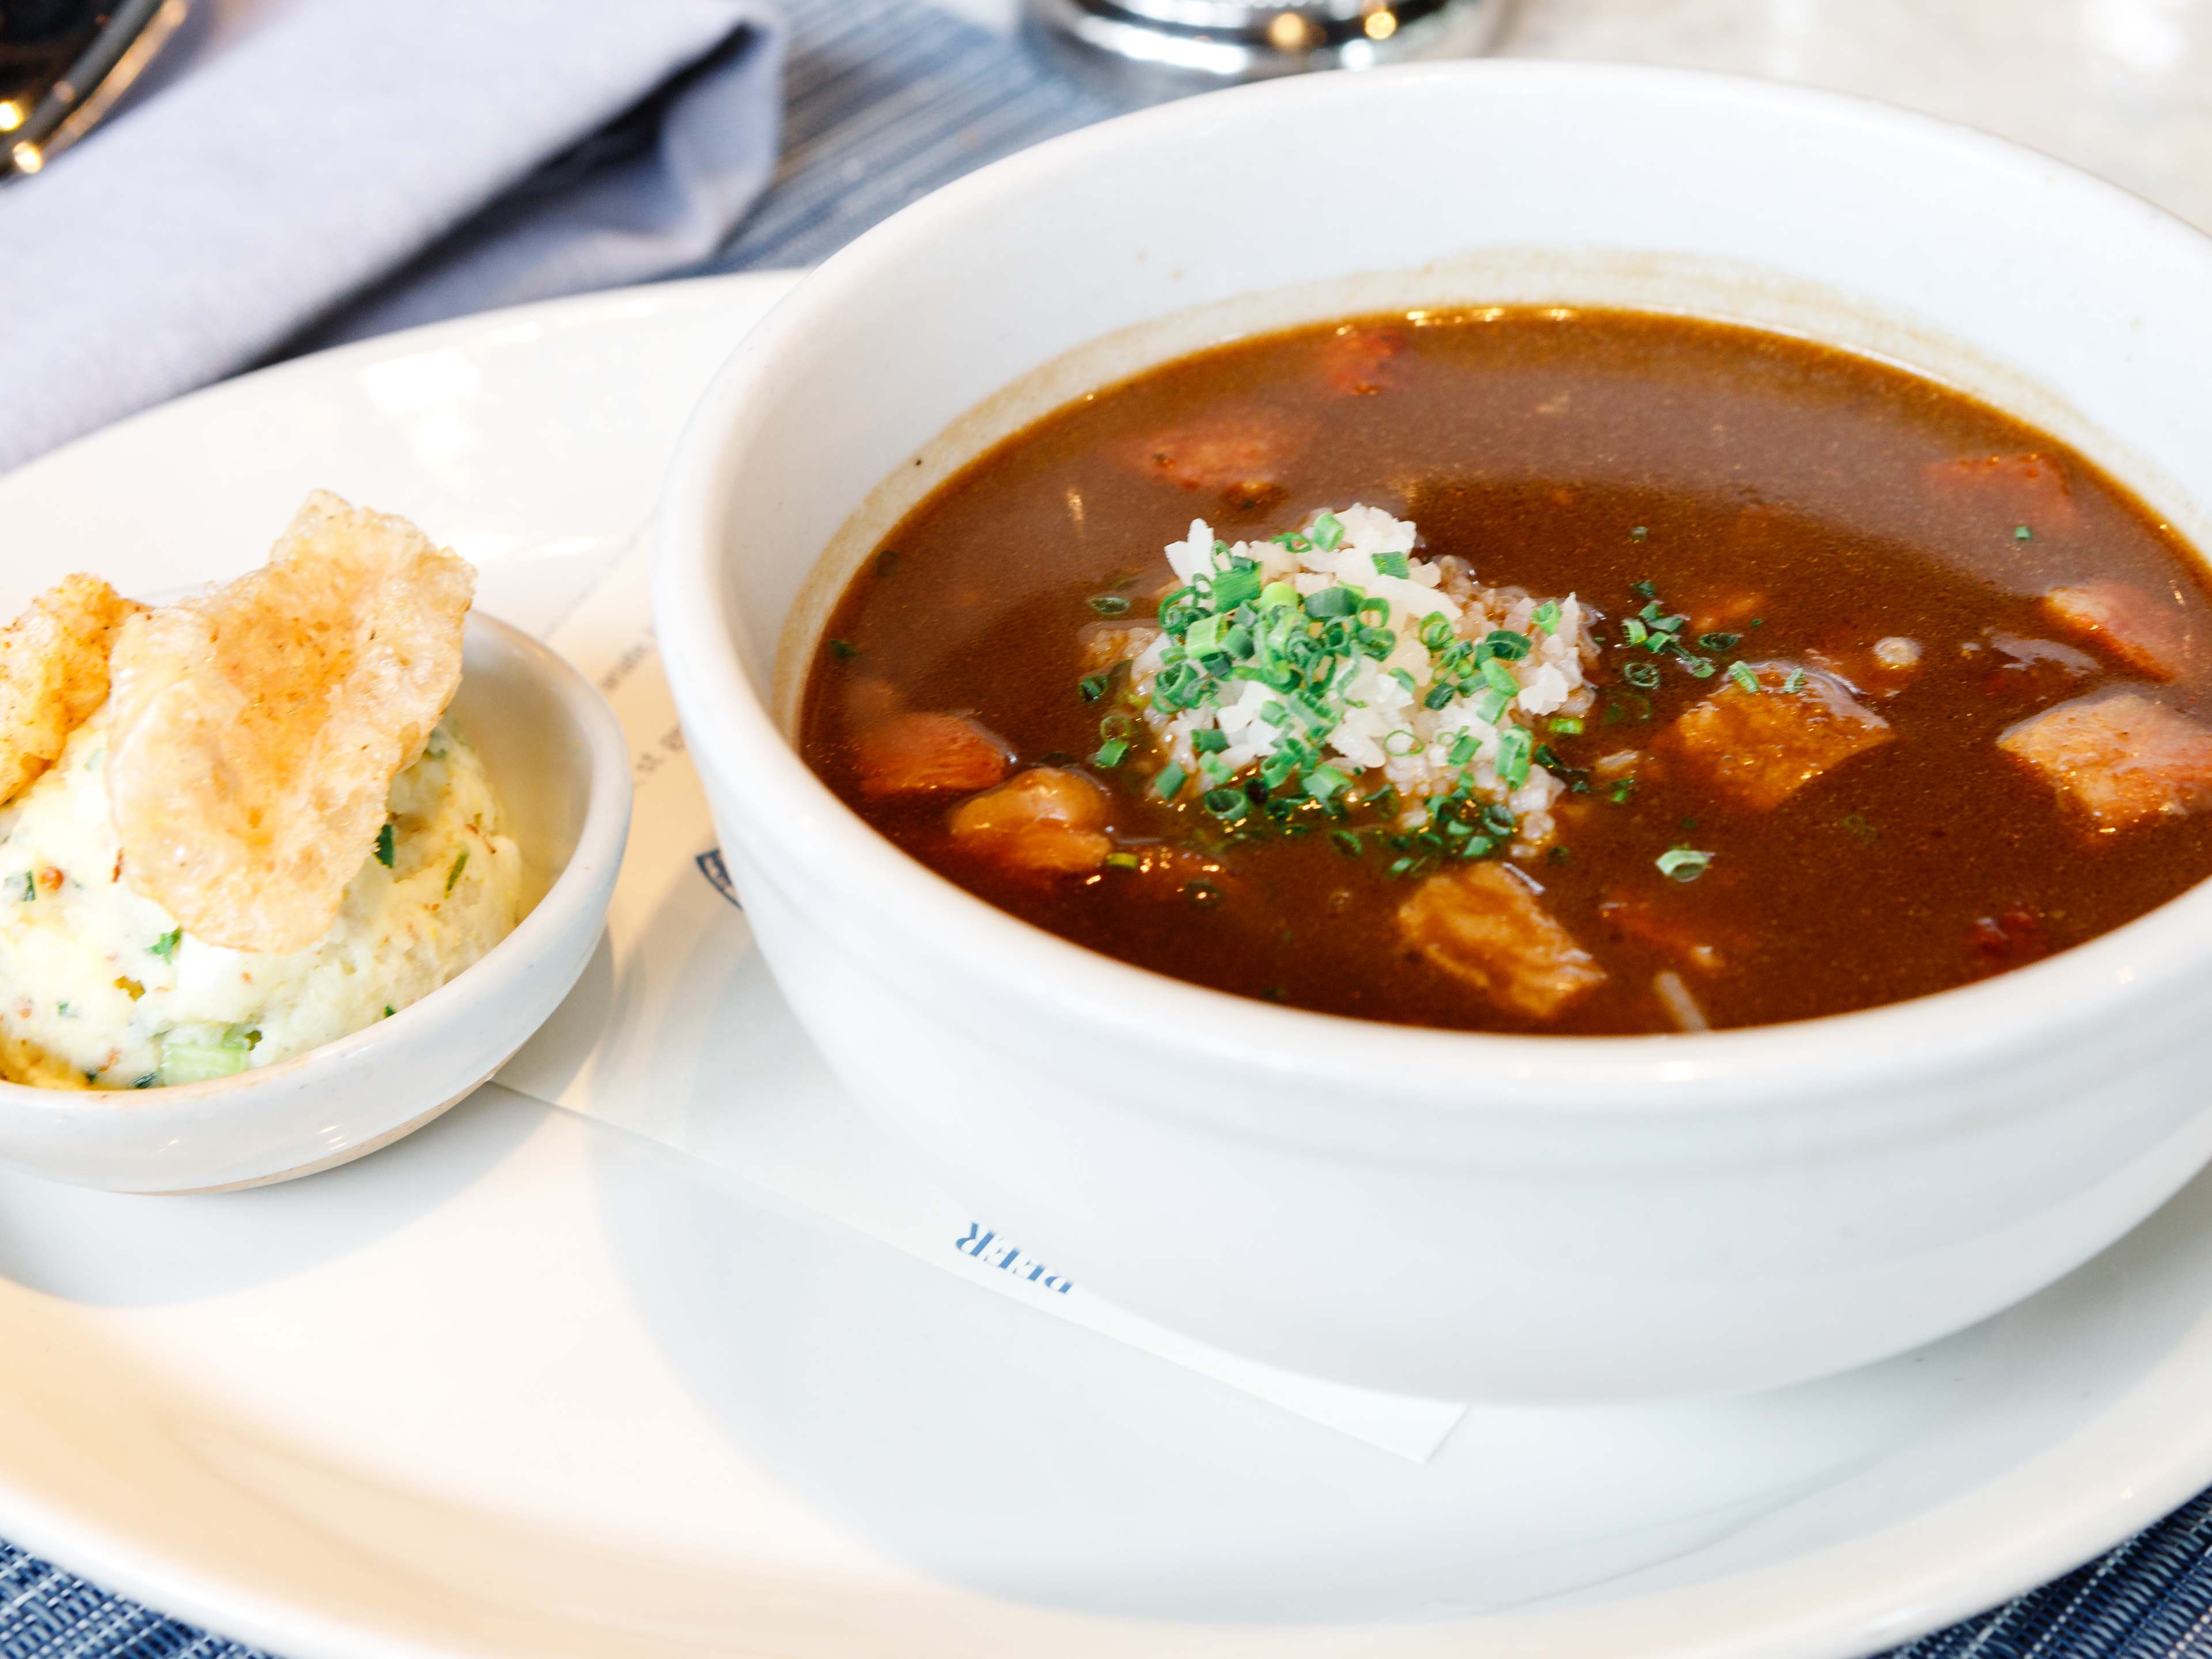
(53, 674)
(257, 730)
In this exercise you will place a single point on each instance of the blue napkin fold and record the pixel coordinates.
(346, 168)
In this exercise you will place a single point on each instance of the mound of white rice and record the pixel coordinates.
(1373, 721)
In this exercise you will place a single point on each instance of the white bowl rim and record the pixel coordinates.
(1948, 1033)
(599, 840)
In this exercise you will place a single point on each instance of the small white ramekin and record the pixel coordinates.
(557, 755)
(1467, 1216)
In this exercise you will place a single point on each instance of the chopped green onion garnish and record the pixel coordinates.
(1170, 780)
(1566, 726)
(1122, 861)
(1209, 740)
(30, 887)
(843, 650)
(1683, 863)
(1638, 533)
(2021, 532)
(1796, 683)
(1275, 595)
(166, 946)
(1506, 645)
(1230, 804)
(1392, 564)
(1111, 754)
(383, 845)
(1546, 616)
(1747, 682)
(1234, 588)
(1646, 588)
(1110, 605)
(1328, 531)
(1325, 781)
(461, 863)
(184, 1062)
(1330, 602)
(1720, 641)
(1644, 675)
(1513, 743)
(1092, 686)
(1346, 842)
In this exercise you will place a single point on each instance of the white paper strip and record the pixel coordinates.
(678, 1033)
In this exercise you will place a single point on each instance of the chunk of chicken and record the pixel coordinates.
(1880, 668)
(1999, 944)
(1764, 747)
(2117, 760)
(1483, 923)
(927, 755)
(2009, 490)
(2145, 632)
(1045, 822)
(1105, 644)
(1357, 359)
(1225, 451)
(2022, 670)
(1638, 918)
(1728, 613)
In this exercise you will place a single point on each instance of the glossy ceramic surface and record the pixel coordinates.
(525, 1387)
(1564, 1218)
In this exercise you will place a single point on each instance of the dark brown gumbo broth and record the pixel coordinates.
(1875, 690)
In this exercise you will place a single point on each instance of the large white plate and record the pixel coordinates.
(526, 1386)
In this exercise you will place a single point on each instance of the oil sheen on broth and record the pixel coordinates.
(1879, 692)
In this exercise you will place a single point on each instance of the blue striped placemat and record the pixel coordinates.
(887, 100)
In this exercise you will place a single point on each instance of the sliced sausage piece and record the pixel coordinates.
(1764, 747)
(1482, 923)
(2117, 760)
(2144, 631)
(1046, 821)
(927, 755)
(2010, 490)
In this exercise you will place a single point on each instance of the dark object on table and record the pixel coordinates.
(64, 64)
(1157, 49)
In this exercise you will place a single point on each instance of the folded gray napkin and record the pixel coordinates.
(349, 166)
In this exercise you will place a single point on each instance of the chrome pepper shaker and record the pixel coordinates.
(1156, 49)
